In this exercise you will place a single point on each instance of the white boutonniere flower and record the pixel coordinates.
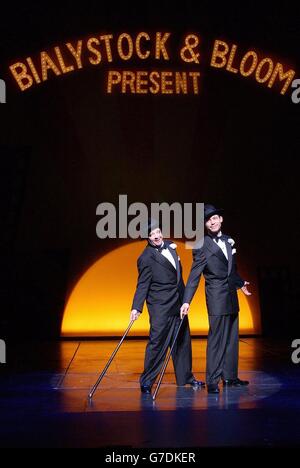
(231, 242)
(173, 246)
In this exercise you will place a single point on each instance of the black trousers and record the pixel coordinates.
(222, 353)
(162, 331)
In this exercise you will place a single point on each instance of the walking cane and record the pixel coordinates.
(167, 360)
(109, 361)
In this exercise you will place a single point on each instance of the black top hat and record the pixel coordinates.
(150, 226)
(210, 210)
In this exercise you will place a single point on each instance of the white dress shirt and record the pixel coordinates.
(222, 245)
(167, 254)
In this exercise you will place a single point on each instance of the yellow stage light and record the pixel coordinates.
(100, 303)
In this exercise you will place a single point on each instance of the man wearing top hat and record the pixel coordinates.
(160, 284)
(216, 259)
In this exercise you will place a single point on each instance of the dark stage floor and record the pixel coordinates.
(44, 402)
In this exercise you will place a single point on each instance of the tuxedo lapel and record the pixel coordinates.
(158, 257)
(215, 249)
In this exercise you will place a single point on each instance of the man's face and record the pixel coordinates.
(213, 224)
(156, 237)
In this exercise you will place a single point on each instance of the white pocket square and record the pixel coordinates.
(233, 251)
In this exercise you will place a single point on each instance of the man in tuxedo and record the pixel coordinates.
(216, 259)
(160, 284)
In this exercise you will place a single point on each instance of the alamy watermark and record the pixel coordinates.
(296, 353)
(296, 93)
(2, 92)
(185, 220)
(2, 352)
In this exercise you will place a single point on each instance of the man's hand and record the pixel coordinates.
(134, 314)
(245, 289)
(184, 310)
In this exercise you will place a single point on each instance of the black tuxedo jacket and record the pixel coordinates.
(159, 283)
(221, 277)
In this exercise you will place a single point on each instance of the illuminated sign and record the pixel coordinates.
(151, 48)
(163, 82)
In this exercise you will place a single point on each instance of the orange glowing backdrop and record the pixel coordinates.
(100, 302)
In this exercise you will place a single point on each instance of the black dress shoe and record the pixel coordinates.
(146, 389)
(196, 383)
(235, 382)
(213, 388)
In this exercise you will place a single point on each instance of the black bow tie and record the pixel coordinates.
(159, 248)
(217, 238)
